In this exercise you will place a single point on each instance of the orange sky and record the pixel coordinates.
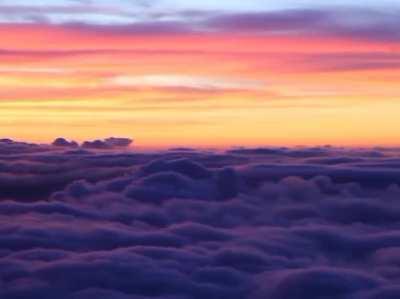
(214, 89)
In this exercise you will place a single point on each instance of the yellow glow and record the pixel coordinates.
(193, 90)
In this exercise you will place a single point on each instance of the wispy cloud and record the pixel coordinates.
(351, 21)
(35, 70)
(185, 81)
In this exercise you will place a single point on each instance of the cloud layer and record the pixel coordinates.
(246, 223)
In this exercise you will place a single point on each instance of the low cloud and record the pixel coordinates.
(246, 223)
(62, 142)
(108, 143)
(118, 142)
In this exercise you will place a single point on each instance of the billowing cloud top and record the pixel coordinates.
(303, 222)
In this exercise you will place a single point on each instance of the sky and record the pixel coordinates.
(201, 73)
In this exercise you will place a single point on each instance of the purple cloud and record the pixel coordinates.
(352, 23)
(64, 143)
(108, 143)
(246, 223)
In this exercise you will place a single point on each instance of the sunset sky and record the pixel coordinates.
(201, 73)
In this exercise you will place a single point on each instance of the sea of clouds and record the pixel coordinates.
(104, 221)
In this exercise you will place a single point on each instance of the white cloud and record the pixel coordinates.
(184, 81)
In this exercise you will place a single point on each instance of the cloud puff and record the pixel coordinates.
(118, 142)
(317, 283)
(246, 223)
(182, 166)
(108, 143)
(64, 143)
(96, 144)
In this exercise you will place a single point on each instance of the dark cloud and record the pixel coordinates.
(182, 166)
(96, 144)
(295, 153)
(332, 62)
(133, 28)
(64, 143)
(352, 22)
(108, 143)
(316, 283)
(275, 21)
(118, 142)
(248, 223)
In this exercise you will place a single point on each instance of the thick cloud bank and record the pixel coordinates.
(283, 223)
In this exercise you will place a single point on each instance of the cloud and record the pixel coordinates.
(182, 166)
(370, 22)
(184, 81)
(64, 143)
(317, 283)
(34, 70)
(352, 22)
(275, 21)
(118, 142)
(96, 144)
(300, 152)
(108, 143)
(332, 62)
(45, 13)
(246, 223)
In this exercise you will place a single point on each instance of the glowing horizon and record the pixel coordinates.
(250, 76)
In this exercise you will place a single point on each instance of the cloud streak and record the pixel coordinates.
(180, 81)
(353, 22)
